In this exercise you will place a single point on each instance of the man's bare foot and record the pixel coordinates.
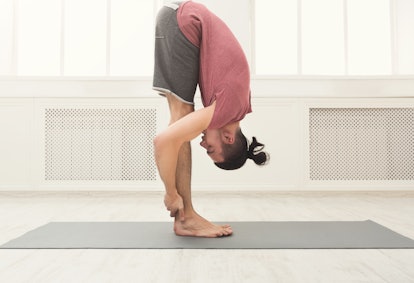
(197, 226)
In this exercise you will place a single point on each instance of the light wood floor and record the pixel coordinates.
(20, 212)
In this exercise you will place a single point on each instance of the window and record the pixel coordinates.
(369, 37)
(405, 39)
(334, 37)
(322, 37)
(276, 37)
(6, 37)
(295, 37)
(38, 37)
(132, 37)
(85, 35)
(76, 37)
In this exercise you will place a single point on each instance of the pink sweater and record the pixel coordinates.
(224, 71)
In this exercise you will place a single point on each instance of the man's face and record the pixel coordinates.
(211, 141)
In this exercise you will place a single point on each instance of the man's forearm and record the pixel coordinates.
(166, 156)
(168, 143)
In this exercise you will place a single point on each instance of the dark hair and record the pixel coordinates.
(236, 154)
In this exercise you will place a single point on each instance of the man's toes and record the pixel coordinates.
(226, 232)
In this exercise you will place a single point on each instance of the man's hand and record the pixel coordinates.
(174, 204)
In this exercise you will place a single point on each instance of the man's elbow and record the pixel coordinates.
(160, 142)
(164, 143)
(157, 142)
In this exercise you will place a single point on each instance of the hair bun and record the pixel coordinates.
(256, 152)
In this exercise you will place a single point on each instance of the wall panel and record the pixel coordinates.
(280, 120)
(16, 143)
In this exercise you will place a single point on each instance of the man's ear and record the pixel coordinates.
(229, 138)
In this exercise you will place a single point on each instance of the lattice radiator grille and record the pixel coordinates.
(99, 144)
(361, 143)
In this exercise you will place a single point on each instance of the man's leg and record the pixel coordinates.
(194, 224)
(178, 110)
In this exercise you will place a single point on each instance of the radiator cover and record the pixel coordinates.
(100, 144)
(361, 143)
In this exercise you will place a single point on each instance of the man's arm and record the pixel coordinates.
(167, 145)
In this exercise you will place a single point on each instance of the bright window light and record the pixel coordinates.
(38, 37)
(132, 37)
(276, 37)
(6, 36)
(85, 37)
(369, 44)
(374, 43)
(405, 35)
(323, 37)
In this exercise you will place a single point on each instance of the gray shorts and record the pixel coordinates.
(176, 66)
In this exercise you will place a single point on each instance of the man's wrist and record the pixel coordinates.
(171, 193)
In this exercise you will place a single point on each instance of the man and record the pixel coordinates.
(193, 46)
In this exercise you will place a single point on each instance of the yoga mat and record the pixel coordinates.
(247, 235)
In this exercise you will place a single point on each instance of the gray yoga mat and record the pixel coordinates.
(247, 235)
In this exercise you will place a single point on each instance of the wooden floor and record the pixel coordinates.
(20, 212)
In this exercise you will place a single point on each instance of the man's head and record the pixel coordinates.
(229, 148)
(214, 141)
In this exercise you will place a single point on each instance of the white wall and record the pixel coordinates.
(279, 120)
